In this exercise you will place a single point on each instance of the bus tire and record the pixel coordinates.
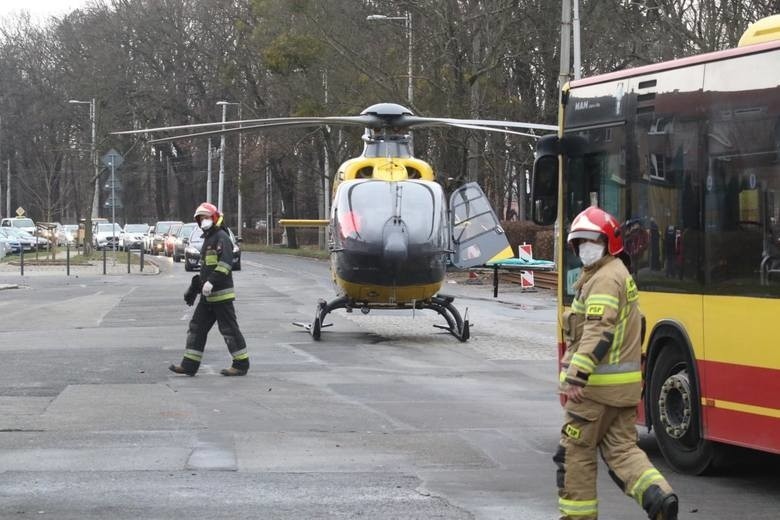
(676, 414)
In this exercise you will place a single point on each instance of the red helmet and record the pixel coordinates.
(596, 224)
(207, 209)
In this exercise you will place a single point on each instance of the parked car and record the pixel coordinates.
(182, 240)
(106, 235)
(20, 223)
(161, 229)
(81, 234)
(132, 236)
(26, 240)
(67, 234)
(148, 238)
(10, 243)
(192, 251)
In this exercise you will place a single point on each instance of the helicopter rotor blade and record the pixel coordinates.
(493, 129)
(364, 120)
(478, 123)
(227, 131)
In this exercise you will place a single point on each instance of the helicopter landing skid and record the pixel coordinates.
(442, 304)
(323, 309)
(456, 325)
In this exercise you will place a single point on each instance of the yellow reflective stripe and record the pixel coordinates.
(620, 368)
(225, 265)
(632, 293)
(578, 306)
(241, 354)
(194, 355)
(603, 299)
(562, 376)
(620, 333)
(223, 270)
(583, 362)
(645, 480)
(212, 258)
(221, 297)
(621, 378)
(578, 507)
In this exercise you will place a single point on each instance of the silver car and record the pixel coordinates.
(132, 236)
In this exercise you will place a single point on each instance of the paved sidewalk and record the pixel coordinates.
(44, 266)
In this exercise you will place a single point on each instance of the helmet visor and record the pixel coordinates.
(585, 235)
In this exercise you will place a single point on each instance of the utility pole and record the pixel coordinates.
(565, 71)
(208, 175)
(576, 29)
(240, 143)
(221, 182)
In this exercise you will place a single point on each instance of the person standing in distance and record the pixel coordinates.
(602, 380)
(214, 283)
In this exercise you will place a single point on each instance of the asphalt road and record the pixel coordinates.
(385, 418)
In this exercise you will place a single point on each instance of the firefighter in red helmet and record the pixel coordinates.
(602, 381)
(214, 284)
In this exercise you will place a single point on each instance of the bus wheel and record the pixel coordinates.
(676, 414)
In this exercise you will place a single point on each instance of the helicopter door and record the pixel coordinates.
(477, 235)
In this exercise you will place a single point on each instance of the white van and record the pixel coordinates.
(20, 223)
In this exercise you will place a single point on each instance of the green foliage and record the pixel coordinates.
(291, 53)
(526, 232)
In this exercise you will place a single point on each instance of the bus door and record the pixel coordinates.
(741, 214)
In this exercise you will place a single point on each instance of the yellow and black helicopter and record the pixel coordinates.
(392, 231)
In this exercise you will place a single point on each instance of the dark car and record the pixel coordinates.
(192, 251)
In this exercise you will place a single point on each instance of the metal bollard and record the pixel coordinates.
(142, 259)
(67, 258)
(128, 261)
(21, 257)
(104, 261)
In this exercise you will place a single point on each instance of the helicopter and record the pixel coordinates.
(392, 231)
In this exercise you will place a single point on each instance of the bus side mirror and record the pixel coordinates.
(544, 190)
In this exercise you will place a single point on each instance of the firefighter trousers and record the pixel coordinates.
(224, 314)
(592, 426)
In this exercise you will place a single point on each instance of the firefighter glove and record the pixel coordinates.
(207, 289)
(189, 298)
(192, 291)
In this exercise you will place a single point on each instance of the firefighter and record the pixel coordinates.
(602, 381)
(214, 284)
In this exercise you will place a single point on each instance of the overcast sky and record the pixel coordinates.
(39, 8)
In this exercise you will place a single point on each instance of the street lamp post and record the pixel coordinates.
(407, 18)
(221, 182)
(222, 161)
(93, 154)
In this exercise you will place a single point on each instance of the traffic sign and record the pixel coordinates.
(112, 156)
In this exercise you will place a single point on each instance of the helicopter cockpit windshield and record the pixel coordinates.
(367, 211)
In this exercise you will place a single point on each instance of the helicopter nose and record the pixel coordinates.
(396, 247)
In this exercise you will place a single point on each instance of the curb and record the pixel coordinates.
(4, 286)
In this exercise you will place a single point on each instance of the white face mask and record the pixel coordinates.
(590, 253)
(206, 223)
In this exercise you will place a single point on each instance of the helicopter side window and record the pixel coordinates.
(365, 172)
(413, 173)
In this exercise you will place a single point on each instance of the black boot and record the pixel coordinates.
(178, 369)
(233, 371)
